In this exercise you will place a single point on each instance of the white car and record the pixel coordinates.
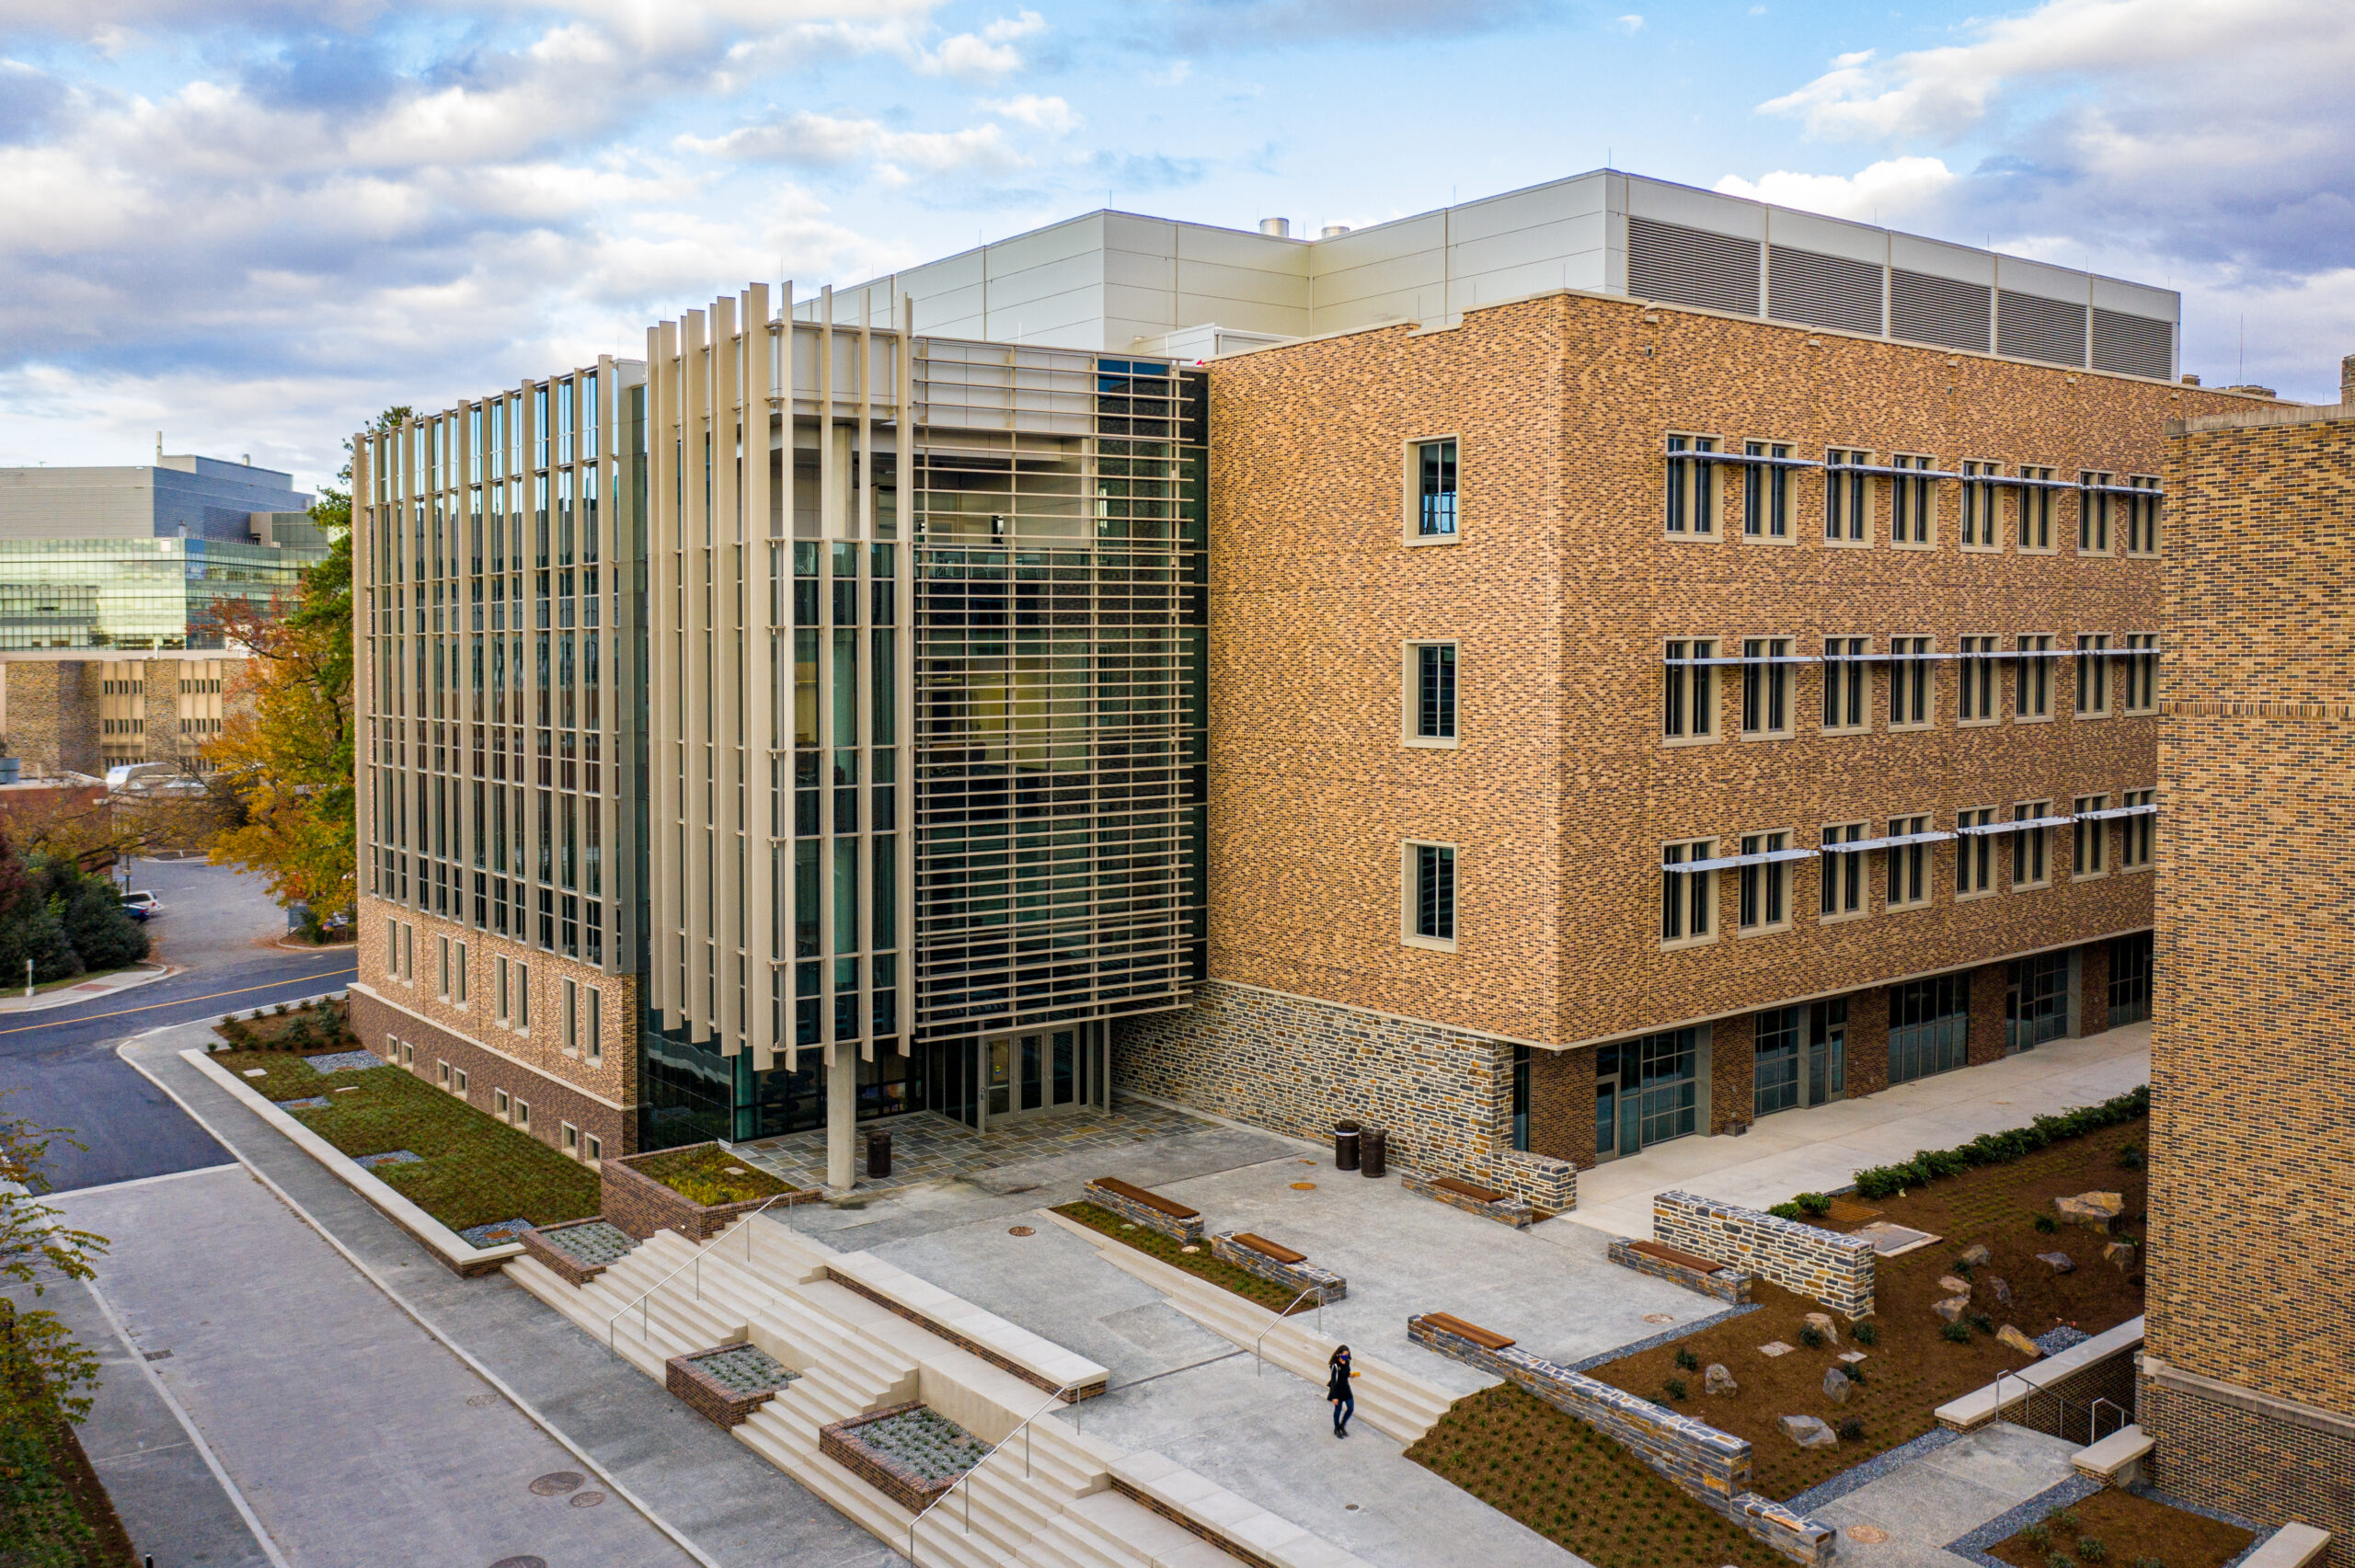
(141, 904)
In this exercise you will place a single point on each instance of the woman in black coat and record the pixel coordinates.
(1337, 1391)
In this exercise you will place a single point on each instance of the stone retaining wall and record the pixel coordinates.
(1700, 1461)
(639, 1205)
(1510, 1211)
(1730, 1286)
(1823, 1265)
(1151, 1219)
(1293, 1276)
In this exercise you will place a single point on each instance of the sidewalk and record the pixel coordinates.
(83, 990)
(1817, 1150)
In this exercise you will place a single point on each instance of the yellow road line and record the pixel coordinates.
(156, 1006)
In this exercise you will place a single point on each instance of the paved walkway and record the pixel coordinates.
(96, 986)
(1918, 1508)
(1816, 1151)
(928, 1147)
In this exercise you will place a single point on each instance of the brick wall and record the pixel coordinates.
(1733, 1074)
(1990, 993)
(553, 1101)
(1823, 1265)
(53, 715)
(1561, 1105)
(2225, 1451)
(2093, 988)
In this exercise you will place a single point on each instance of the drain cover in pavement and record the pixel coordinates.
(1021, 1230)
(497, 1233)
(587, 1499)
(1658, 1318)
(556, 1483)
(389, 1157)
(1303, 1187)
(1868, 1535)
(520, 1563)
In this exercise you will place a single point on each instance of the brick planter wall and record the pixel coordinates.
(1833, 1269)
(1151, 1219)
(639, 1205)
(563, 1264)
(1697, 1459)
(1512, 1211)
(708, 1397)
(1293, 1276)
(1730, 1286)
(838, 1440)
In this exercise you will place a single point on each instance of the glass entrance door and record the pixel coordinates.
(1646, 1091)
(2036, 1006)
(1031, 1074)
(1827, 1051)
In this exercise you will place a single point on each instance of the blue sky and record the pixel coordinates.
(251, 225)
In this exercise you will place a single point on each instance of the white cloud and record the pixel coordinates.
(1051, 115)
(988, 53)
(820, 141)
(1177, 76)
(1883, 193)
(1630, 24)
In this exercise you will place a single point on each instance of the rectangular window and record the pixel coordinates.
(2135, 832)
(442, 974)
(409, 950)
(408, 1054)
(503, 998)
(1765, 887)
(1691, 487)
(1688, 899)
(1912, 505)
(2035, 509)
(1974, 853)
(1774, 1077)
(2093, 513)
(1929, 1026)
(1912, 684)
(571, 1139)
(2032, 668)
(596, 1148)
(1431, 685)
(500, 1104)
(1847, 497)
(1433, 465)
(522, 996)
(1975, 680)
(459, 1086)
(1848, 682)
(1765, 686)
(460, 992)
(1690, 691)
(2091, 838)
(1431, 896)
(1979, 505)
(1842, 889)
(594, 1032)
(2142, 672)
(1909, 864)
(2031, 867)
(442, 1071)
(1767, 493)
(2093, 675)
(522, 1114)
(570, 1025)
(393, 948)
(2143, 516)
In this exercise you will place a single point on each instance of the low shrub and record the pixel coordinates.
(1982, 1322)
(1852, 1430)
(1688, 1361)
(1866, 1333)
(1815, 1206)
(1958, 1332)
(2129, 1158)
(2059, 1560)
(1787, 1211)
(2000, 1148)
(1811, 1337)
(1676, 1387)
(2045, 1224)
(2039, 1534)
(2089, 1549)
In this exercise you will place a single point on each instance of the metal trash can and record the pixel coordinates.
(1374, 1152)
(1345, 1147)
(878, 1152)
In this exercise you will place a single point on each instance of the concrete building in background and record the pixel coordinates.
(2247, 1383)
(1584, 668)
(61, 715)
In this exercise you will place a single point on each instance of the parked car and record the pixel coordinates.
(141, 904)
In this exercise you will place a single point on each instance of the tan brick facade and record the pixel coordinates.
(2252, 1106)
(399, 996)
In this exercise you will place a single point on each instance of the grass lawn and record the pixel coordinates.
(2126, 1529)
(709, 1175)
(473, 1167)
(1911, 1368)
(1577, 1488)
(1196, 1261)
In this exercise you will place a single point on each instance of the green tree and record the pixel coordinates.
(46, 1369)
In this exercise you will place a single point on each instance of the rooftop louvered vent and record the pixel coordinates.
(2029, 327)
(2133, 344)
(1692, 267)
(1822, 290)
(1945, 311)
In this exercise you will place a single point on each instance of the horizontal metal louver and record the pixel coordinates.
(1945, 311)
(1692, 267)
(2133, 344)
(2029, 327)
(1822, 290)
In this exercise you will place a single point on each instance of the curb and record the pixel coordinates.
(63, 995)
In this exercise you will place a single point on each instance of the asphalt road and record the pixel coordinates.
(61, 1063)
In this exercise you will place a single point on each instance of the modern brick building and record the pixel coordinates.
(2247, 1385)
(1589, 667)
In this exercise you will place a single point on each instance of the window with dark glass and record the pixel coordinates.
(1435, 471)
(1435, 692)
(1434, 893)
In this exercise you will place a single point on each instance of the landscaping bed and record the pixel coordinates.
(1910, 1365)
(1577, 1488)
(1194, 1259)
(911, 1452)
(708, 1174)
(472, 1169)
(2119, 1529)
(53, 1511)
(313, 1026)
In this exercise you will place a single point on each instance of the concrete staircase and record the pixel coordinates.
(1391, 1399)
(1044, 1500)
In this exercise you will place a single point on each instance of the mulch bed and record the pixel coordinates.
(1912, 1368)
(1577, 1488)
(1199, 1263)
(472, 1168)
(323, 1025)
(2134, 1532)
(708, 1175)
(54, 1512)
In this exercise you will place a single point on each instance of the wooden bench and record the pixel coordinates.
(1170, 1207)
(1447, 1322)
(1472, 1190)
(1152, 1211)
(1704, 1276)
(1470, 1197)
(1266, 1248)
(1666, 1254)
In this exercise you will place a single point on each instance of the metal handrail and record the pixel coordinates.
(975, 1468)
(1261, 1361)
(2093, 1418)
(644, 1302)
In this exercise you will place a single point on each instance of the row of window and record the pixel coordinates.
(509, 1108)
(582, 1009)
(1767, 893)
(2109, 679)
(1907, 492)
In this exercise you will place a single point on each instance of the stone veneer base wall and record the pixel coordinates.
(1705, 1463)
(1293, 1276)
(1833, 1269)
(1728, 1285)
(1186, 1231)
(1506, 1211)
(1295, 1066)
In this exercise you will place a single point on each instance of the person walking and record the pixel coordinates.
(1337, 1391)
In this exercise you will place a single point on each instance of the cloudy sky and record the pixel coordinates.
(251, 224)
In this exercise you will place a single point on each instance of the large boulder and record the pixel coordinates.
(2120, 1255)
(1951, 1309)
(1999, 1290)
(1809, 1432)
(1975, 1255)
(2012, 1339)
(1716, 1378)
(1821, 1324)
(1836, 1384)
(1955, 1285)
(2095, 1211)
(2059, 1262)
